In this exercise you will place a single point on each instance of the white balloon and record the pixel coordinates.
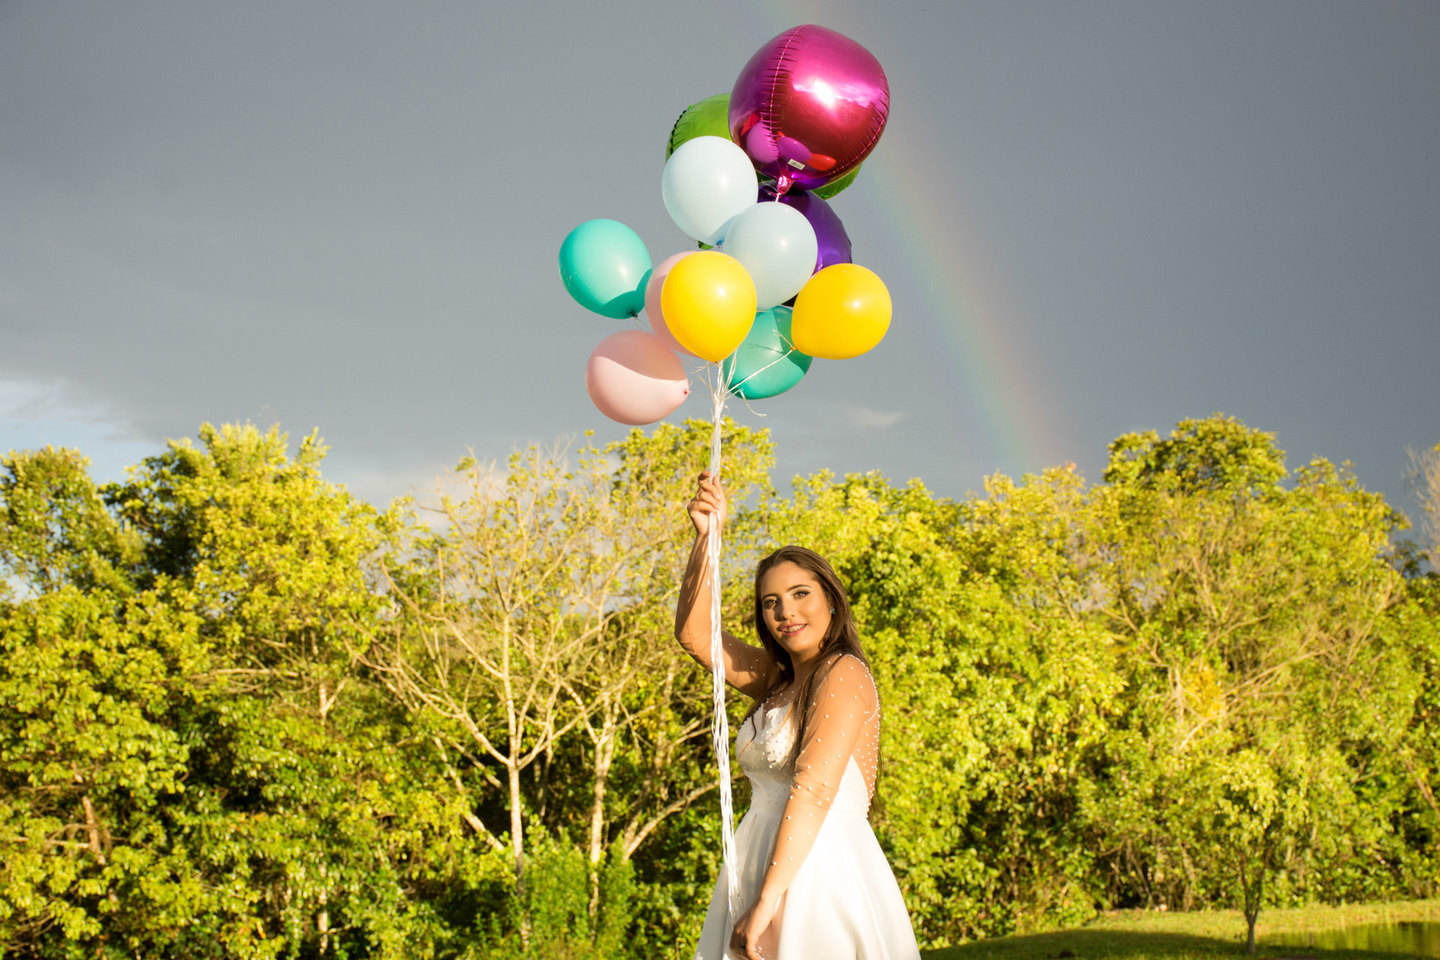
(706, 183)
(778, 246)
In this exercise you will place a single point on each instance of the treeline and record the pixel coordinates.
(243, 714)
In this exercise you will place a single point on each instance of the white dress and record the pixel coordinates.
(843, 901)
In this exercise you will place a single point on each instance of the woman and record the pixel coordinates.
(814, 884)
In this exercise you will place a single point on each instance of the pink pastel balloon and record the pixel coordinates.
(633, 378)
(652, 301)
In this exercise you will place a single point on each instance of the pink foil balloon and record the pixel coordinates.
(809, 107)
(632, 378)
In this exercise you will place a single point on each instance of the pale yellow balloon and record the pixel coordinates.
(841, 312)
(709, 304)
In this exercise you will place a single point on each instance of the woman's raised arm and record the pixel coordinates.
(748, 668)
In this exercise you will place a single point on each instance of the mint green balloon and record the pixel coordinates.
(605, 266)
(765, 364)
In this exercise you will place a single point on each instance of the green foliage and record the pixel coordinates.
(191, 765)
(56, 529)
(552, 902)
(244, 715)
(1262, 689)
(524, 642)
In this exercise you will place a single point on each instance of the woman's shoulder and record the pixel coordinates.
(845, 679)
(847, 669)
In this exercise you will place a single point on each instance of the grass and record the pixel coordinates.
(1150, 935)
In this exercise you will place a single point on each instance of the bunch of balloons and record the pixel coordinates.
(748, 175)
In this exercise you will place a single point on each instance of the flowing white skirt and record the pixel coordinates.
(844, 902)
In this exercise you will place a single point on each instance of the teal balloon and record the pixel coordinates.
(765, 365)
(605, 266)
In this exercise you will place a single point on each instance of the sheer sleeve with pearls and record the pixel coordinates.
(842, 724)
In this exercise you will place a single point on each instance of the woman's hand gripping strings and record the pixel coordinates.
(708, 503)
(748, 668)
(692, 609)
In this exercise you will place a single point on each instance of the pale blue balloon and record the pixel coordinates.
(707, 182)
(605, 267)
(777, 245)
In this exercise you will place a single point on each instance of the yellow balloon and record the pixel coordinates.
(709, 304)
(840, 313)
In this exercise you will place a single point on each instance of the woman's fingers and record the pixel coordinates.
(709, 500)
(713, 491)
(709, 495)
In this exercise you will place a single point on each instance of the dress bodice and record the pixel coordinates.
(763, 746)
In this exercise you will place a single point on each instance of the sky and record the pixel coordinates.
(1093, 217)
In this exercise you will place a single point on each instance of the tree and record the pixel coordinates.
(242, 714)
(86, 752)
(57, 530)
(190, 766)
(532, 619)
(1250, 615)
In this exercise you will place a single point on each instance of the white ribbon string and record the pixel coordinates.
(720, 727)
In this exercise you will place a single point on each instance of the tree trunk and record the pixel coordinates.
(604, 756)
(322, 921)
(1252, 885)
(517, 848)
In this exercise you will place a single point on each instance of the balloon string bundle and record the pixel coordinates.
(720, 727)
(778, 360)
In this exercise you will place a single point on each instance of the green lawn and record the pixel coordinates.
(1148, 935)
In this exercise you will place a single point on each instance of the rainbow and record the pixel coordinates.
(961, 311)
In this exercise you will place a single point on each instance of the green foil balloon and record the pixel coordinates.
(835, 186)
(765, 364)
(708, 118)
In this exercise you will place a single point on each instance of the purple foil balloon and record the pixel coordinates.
(808, 107)
(830, 233)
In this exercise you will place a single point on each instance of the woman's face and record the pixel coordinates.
(796, 610)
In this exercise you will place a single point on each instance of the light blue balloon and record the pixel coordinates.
(777, 245)
(766, 364)
(605, 266)
(706, 183)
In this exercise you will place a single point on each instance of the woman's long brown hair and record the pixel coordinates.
(840, 639)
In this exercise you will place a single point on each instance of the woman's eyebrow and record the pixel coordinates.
(798, 586)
